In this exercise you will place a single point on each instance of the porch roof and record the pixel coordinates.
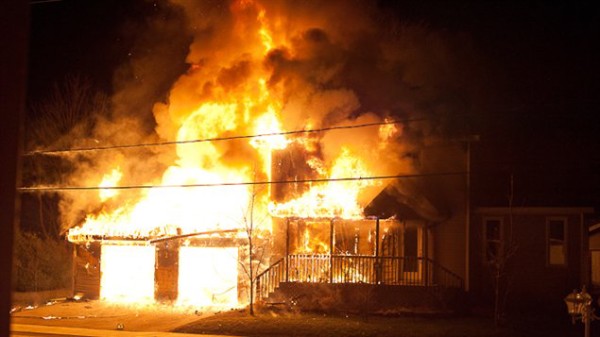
(404, 202)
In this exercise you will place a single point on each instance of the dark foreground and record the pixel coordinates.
(274, 323)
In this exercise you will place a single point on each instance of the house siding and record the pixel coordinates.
(449, 245)
(448, 192)
(86, 270)
(531, 278)
(594, 257)
(437, 200)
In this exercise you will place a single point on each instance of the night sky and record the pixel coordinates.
(544, 131)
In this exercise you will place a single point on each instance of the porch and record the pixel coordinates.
(364, 269)
(370, 255)
(354, 283)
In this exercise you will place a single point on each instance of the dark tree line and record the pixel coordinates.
(68, 113)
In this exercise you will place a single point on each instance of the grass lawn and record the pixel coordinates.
(271, 323)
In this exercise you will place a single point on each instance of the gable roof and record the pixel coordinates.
(403, 202)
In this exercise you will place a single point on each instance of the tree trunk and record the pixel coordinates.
(251, 278)
(41, 216)
(497, 300)
(250, 250)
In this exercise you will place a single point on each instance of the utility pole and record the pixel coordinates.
(468, 140)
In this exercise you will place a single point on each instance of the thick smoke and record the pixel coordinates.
(323, 63)
(156, 58)
(333, 63)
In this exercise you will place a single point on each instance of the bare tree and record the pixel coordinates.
(257, 249)
(500, 263)
(70, 107)
(66, 114)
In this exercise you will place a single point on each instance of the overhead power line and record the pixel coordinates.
(38, 2)
(216, 139)
(275, 182)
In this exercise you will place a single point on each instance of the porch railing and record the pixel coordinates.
(325, 268)
(269, 280)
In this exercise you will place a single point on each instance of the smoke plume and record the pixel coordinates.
(310, 64)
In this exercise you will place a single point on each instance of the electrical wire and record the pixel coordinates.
(38, 2)
(284, 133)
(276, 182)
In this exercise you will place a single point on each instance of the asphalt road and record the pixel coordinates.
(28, 330)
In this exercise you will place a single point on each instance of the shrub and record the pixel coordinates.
(41, 264)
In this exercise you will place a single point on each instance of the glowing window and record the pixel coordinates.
(596, 267)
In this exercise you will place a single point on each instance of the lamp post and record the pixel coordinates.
(579, 306)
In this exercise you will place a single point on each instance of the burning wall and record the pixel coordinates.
(191, 272)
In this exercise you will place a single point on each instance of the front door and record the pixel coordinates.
(412, 253)
(402, 254)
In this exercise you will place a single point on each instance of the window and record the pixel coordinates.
(411, 249)
(492, 231)
(556, 241)
(596, 267)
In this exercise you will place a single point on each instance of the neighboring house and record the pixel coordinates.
(594, 246)
(547, 252)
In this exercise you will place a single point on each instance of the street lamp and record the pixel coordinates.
(579, 306)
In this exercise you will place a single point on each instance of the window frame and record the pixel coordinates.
(565, 241)
(486, 241)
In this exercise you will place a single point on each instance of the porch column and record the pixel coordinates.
(331, 243)
(287, 249)
(377, 237)
(426, 254)
(377, 260)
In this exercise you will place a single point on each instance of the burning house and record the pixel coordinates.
(396, 240)
(395, 250)
(285, 154)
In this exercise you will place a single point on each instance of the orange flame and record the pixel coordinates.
(223, 95)
(110, 180)
(333, 199)
(127, 273)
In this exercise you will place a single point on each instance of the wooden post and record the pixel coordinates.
(331, 243)
(73, 267)
(166, 273)
(259, 294)
(287, 249)
(377, 262)
(426, 254)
